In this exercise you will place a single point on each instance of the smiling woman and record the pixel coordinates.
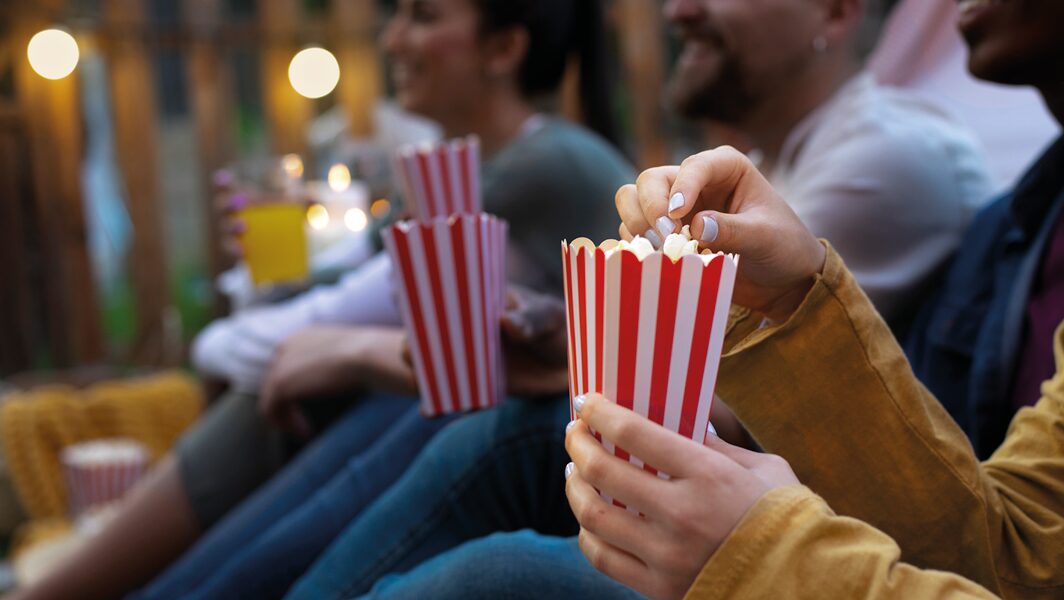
(437, 66)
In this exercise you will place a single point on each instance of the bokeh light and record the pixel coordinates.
(318, 217)
(380, 208)
(314, 72)
(292, 165)
(355, 219)
(339, 178)
(53, 53)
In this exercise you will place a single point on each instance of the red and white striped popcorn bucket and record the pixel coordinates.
(441, 179)
(451, 274)
(647, 334)
(101, 471)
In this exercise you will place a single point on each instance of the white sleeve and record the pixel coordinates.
(239, 348)
(894, 210)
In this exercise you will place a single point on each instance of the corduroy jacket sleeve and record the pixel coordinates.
(831, 391)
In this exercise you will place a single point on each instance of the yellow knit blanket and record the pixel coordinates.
(36, 425)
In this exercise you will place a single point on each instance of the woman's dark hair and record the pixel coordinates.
(558, 30)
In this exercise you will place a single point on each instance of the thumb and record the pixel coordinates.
(745, 458)
(722, 232)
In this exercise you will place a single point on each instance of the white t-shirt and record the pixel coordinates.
(239, 348)
(889, 180)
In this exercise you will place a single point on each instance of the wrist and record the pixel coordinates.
(786, 303)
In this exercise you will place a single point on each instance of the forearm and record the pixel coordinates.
(791, 544)
(378, 360)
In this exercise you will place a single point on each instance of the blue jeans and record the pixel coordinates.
(262, 546)
(499, 470)
(517, 566)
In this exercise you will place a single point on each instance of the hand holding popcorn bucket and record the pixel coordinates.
(451, 273)
(646, 328)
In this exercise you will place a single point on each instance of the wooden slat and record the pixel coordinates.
(354, 37)
(136, 139)
(209, 76)
(640, 30)
(287, 113)
(57, 223)
(16, 303)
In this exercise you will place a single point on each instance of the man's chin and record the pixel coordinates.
(986, 65)
(705, 105)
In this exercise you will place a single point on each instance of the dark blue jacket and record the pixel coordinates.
(964, 342)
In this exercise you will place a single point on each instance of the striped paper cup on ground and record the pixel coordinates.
(451, 274)
(647, 333)
(441, 179)
(101, 471)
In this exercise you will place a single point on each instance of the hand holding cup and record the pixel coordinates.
(681, 521)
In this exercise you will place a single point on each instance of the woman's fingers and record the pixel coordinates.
(653, 188)
(612, 561)
(613, 524)
(614, 476)
(723, 232)
(713, 174)
(652, 443)
(627, 201)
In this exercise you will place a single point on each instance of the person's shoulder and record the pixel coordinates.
(890, 135)
(899, 119)
(560, 146)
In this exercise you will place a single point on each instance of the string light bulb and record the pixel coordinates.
(314, 72)
(53, 53)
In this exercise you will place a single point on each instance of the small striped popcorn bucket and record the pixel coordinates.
(101, 471)
(451, 274)
(441, 179)
(647, 333)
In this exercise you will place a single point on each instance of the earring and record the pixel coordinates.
(820, 44)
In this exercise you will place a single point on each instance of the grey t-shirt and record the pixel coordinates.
(557, 182)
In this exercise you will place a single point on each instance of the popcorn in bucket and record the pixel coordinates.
(646, 328)
(451, 274)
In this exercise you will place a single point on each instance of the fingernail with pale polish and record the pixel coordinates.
(569, 427)
(653, 237)
(578, 402)
(675, 202)
(709, 230)
(569, 471)
(710, 430)
(666, 226)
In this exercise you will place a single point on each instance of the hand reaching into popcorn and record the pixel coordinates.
(729, 207)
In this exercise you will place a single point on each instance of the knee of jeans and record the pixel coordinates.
(510, 552)
(467, 438)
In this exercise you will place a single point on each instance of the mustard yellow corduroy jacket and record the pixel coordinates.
(831, 391)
